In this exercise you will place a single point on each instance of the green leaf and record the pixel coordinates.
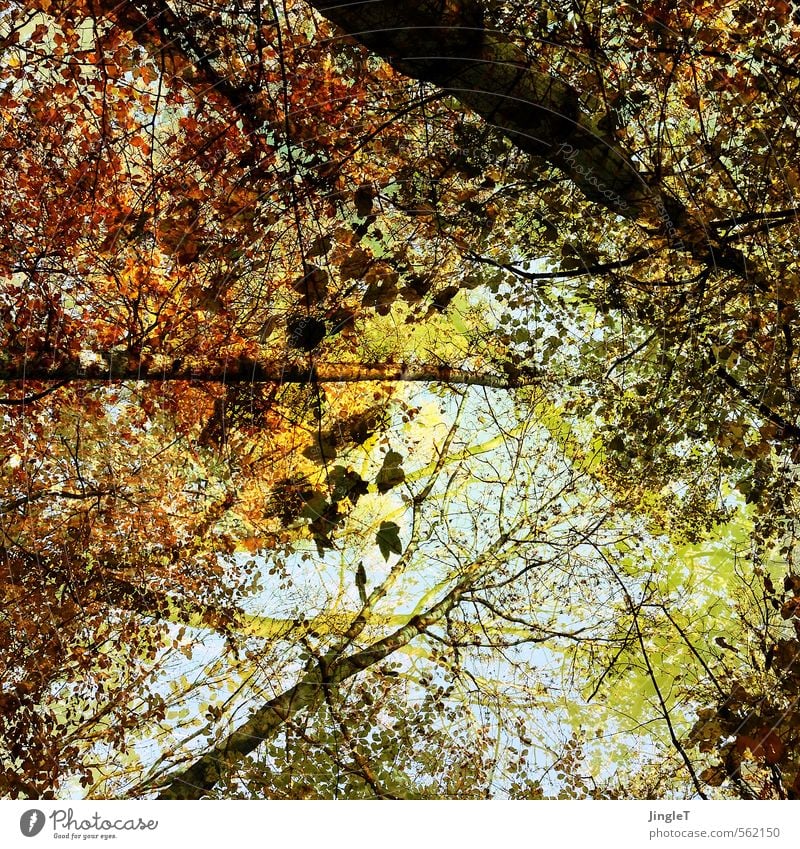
(346, 484)
(391, 473)
(388, 539)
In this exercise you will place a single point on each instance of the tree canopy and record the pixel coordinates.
(398, 399)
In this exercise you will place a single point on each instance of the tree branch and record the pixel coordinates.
(195, 781)
(787, 429)
(29, 399)
(447, 44)
(328, 671)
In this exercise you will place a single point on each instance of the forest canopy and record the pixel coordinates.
(398, 399)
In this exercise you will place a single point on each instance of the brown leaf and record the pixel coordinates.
(363, 199)
(313, 286)
(714, 776)
(762, 744)
(791, 608)
(355, 264)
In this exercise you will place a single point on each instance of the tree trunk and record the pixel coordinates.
(445, 42)
(195, 781)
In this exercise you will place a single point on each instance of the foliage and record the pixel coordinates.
(398, 399)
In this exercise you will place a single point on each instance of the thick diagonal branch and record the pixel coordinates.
(446, 42)
(195, 781)
(328, 673)
(114, 368)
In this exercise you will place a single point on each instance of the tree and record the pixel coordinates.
(497, 303)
